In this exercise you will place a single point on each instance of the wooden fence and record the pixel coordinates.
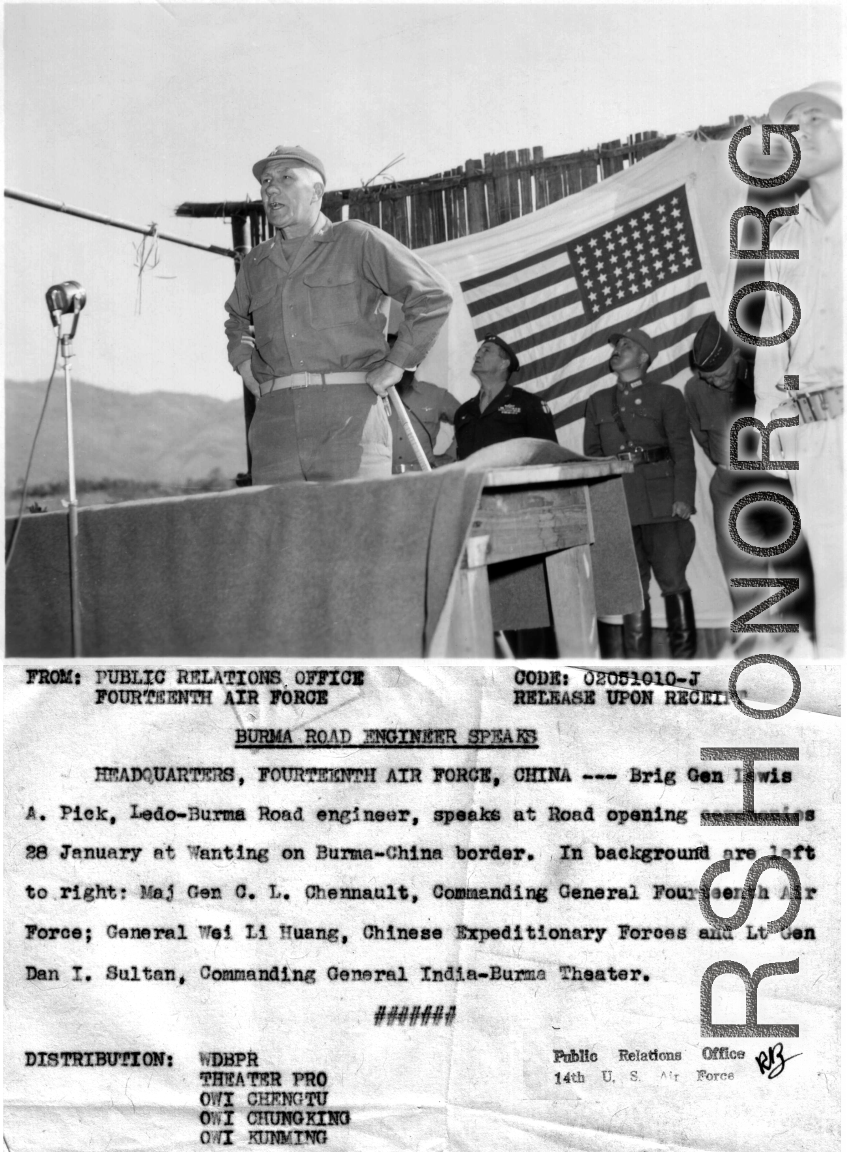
(468, 199)
(488, 192)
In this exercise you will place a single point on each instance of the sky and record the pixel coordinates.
(130, 109)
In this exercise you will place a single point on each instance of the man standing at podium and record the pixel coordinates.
(648, 424)
(317, 359)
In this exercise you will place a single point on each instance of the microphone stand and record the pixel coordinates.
(73, 524)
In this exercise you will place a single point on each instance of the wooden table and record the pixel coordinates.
(541, 510)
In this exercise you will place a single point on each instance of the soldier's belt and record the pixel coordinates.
(814, 404)
(312, 380)
(645, 455)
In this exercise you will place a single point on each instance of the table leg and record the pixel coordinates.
(570, 584)
(465, 629)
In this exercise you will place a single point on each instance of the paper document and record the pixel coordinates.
(431, 908)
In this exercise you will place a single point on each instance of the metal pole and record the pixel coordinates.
(73, 527)
(55, 206)
(240, 250)
(403, 417)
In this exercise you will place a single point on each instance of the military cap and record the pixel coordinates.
(514, 363)
(290, 152)
(826, 95)
(639, 337)
(712, 345)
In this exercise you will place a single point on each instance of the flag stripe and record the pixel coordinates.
(633, 314)
(543, 385)
(558, 307)
(570, 415)
(675, 352)
(598, 340)
(576, 411)
(510, 270)
(537, 305)
(537, 330)
(529, 276)
(556, 275)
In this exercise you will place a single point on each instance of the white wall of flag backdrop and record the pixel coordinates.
(646, 248)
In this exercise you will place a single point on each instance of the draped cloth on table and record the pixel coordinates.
(358, 569)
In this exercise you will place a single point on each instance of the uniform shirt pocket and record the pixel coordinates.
(611, 437)
(511, 420)
(333, 299)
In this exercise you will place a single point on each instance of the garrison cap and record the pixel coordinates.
(639, 337)
(514, 363)
(826, 95)
(712, 345)
(290, 152)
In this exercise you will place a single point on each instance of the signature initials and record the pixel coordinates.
(773, 1062)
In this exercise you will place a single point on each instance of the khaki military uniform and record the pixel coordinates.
(650, 419)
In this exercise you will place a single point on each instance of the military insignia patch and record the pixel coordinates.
(509, 410)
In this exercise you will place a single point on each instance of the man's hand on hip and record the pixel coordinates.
(681, 509)
(383, 376)
(250, 381)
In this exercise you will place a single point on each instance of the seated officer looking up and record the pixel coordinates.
(500, 411)
(648, 424)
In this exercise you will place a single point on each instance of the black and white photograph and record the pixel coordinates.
(424, 576)
(285, 247)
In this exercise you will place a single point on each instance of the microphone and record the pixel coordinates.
(67, 298)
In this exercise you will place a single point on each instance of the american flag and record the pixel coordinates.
(558, 305)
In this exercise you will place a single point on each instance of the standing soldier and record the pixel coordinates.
(647, 423)
(718, 394)
(814, 353)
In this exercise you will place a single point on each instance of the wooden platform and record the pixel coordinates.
(542, 510)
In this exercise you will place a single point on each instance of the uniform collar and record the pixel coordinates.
(808, 209)
(501, 397)
(321, 233)
(629, 385)
(806, 205)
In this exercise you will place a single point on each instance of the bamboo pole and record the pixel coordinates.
(55, 206)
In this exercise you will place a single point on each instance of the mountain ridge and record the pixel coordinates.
(157, 436)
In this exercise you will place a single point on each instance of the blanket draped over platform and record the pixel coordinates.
(356, 569)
